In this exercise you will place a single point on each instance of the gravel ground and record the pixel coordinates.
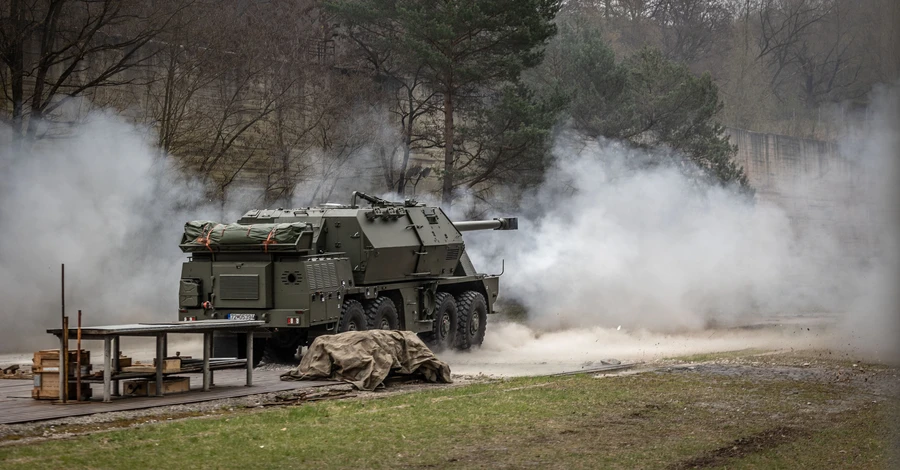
(69, 427)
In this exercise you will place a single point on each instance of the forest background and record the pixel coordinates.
(295, 102)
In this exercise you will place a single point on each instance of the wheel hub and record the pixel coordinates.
(445, 326)
(473, 329)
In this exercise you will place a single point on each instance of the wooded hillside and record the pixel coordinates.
(458, 95)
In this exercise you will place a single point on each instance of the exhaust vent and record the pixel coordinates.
(239, 286)
(453, 252)
(322, 275)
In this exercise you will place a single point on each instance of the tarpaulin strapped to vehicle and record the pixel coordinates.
(204, 232)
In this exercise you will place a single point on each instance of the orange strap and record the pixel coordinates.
(269, 240)
(205, 239)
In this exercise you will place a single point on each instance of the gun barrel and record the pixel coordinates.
(500, 223)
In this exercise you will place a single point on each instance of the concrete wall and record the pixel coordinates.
(821, 188)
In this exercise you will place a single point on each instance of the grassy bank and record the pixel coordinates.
(680, 418)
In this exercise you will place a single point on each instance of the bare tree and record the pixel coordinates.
(59, 49)
(411, 99)
(828, 64)
(782, 27)
(693, 29)
(229, 94)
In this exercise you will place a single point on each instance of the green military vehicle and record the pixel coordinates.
(334, 268)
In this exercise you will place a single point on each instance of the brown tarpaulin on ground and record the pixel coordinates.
(365, 358)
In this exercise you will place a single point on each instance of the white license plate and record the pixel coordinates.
(241, 316)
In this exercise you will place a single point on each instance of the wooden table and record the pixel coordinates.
(110, 335)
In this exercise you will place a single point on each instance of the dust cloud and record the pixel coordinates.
(516, 349)
(612, 241)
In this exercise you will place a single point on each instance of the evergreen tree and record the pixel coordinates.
(645, 99)
(462, 47)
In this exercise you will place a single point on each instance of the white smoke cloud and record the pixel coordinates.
(646, 248)
(601, 243)
(104, 202)
(604, 242)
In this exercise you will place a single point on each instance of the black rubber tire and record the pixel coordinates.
(235, 345)
(444, 325)
(381, 313)
(283, 345)
(353, 317)
(472, 318)
(224, 344)
(259, 348)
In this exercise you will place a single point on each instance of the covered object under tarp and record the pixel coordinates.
(365, 358)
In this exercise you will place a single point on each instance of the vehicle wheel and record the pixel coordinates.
(224, 344)
(381, 314)
(472, 314)
(353, 317)
(443, 329)
(259, 348)
(235, 345)
(283, 345)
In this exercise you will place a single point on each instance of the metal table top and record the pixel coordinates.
(153, 329)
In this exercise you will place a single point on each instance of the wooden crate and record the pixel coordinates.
(49, 359)
(124, 361)
(46, 387)
(46, 369)
(146, 388)
(170, 364)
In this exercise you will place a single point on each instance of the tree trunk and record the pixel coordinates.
(401, 184)
(447, 191)
(407, 141)
(17, 66)
(48, 37)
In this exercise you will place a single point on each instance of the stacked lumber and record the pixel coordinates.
(170, 364)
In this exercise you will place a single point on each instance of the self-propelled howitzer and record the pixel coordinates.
(322, 270)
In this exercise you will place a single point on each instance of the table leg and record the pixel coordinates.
(212, 346)
(62, 377)
(207, 345)
(160, 358)
(107, 370)
(249, 358)
(115, 367)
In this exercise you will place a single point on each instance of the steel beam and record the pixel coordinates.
(249, 358)
(107, 369)
(160, 347)
(207, 347)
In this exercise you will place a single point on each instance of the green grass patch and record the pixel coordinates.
(650, 420)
